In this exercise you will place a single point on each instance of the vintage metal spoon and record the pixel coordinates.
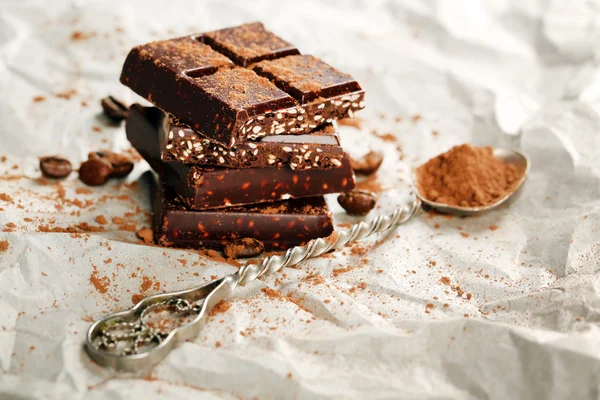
(515, 157)
(136, 340)
(130, 341)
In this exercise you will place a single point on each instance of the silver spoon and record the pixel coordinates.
(128, 341)
(514, 157)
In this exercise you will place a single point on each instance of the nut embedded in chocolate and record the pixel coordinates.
(122, 165)
(357, 202)
(55, 167)
(369, 164)
(244, 248)
(114, 109)
(95, 171)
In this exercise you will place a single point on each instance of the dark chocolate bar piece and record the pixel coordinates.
(281, 94)
(278, 225)
(320, 149)
(214, 187)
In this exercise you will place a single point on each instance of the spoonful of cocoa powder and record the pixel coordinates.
(468, 180)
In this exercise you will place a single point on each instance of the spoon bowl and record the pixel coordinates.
(509, 156)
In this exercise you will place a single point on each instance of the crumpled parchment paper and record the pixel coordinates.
(505, 305)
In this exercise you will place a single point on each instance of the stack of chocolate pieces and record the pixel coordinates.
(243, 137)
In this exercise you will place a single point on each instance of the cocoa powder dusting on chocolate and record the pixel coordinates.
(239, 87)
(303, 72)
(248, 40)
(467, 176)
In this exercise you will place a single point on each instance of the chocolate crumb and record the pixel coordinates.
(38, 99)
(3, 245)
(101, 219)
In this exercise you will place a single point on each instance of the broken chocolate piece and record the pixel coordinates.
(357, 202)
(244, 248)
(55, 167)
(278, 225)
(203, 88)
(203, 187)
(319, 149)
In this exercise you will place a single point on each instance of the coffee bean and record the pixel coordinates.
(369, 164)
(122, 165)
(95, 171)
(357, 202)
(114, 109)
(55, 167)
(244, 248)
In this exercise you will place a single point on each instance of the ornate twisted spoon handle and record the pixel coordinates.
(129, 341)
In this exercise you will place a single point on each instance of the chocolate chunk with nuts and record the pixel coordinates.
(244, 248)
(95, 171)
(369, 164)
(357, 202)
(114, 109)
(55, 167)
(122, 165)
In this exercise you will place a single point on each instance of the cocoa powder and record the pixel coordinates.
(467, 176)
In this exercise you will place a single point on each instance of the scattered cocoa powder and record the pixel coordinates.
(66, 94)
(147, 235)
(101, 283)
(467, 176)
(146, 283)
(6, 197)
(353, 122)
(220, 308)
(137, 297)
(271, 293)
(38, 99)
(3, 245)
(339, 271)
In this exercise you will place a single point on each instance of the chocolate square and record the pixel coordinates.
(248, 43)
